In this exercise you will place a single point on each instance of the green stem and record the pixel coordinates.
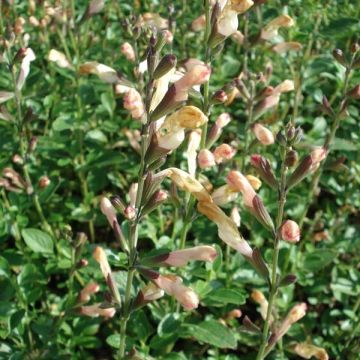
(327, 143)
(273, 285)
(23, 153)
(207, 61)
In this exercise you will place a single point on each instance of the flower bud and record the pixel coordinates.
(206, 159)
(17, 159)
(223, 120)
(95, 7)
(308, 351)
(219, 97)
(294, 315)
(339, 57)
(284, 47)
(233, 314)
(149, 293)
(87, 291)
(95, 311)
(130, 213)
(133, 102)
(290, 231)
(238, 37)
(19, 25)
(271, 30)
(167, 63)
(155, 200)
(101, 258)
(266, 104)
(264, 135)
(128, 51)
(239, 183)
(105, 73)
(44, 182)
(180, 258)
(59, 58)
(117, 203)
(172, 285)
(254, 204)
(108, 210)
(264, 169)
(223, 152)
(198, 24)
(291, 158)
(354, 92)
(260, 299)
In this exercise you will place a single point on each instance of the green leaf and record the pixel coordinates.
(38, 241)
(114, 340)
(227, 296)
(4, 267)
(169, 324)
(213, 333)
(318, 259)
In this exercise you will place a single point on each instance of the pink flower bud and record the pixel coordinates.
(238, 37)
(268, 103)
(318, 155)
(234, 314)
(264, 135)
(128, 51)
(151, 292)
(134, 103)
(95, 311)
(264, 169)
(223, 120)
(197, 75)
(224, 152)
(290, 231)
(44, 182)
(87, 291)
(296, 313)
(182, 257)
(198, 24)
(108, 210)
(168, 35)
(101, 258)
(240, 183)
(206, 159)
(130, 213)
(172, 285)
(354, 92)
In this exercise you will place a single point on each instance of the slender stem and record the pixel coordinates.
(23, 153)
(328, 141)
(207, 61)
(273, 285)
(133, 237)
(249, 120)
(206, 90)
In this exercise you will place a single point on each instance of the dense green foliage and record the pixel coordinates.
(83, 148)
